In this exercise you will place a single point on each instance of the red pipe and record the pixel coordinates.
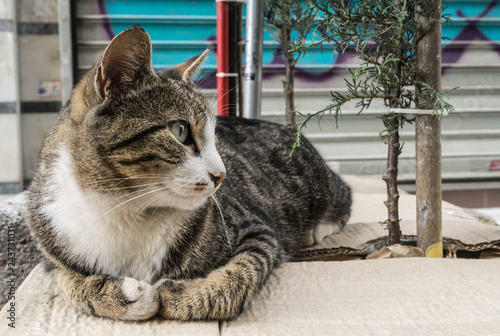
(222, 58)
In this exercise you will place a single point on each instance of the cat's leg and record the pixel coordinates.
(325, 228)
(106, 296)
(225, 292)
(337, 215)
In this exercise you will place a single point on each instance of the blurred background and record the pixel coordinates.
(46, 46)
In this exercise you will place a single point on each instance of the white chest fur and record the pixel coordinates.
(117, 241)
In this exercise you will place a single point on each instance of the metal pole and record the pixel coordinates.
(233, 56)
(239, 61)
(227, 56)
(222, 58)
(65, 49)
(252, 84)
(428, 141)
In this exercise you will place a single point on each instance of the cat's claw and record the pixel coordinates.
(143, 299)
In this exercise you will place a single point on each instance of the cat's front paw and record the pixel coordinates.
(173, 300)
(142, 299)
(169, 289)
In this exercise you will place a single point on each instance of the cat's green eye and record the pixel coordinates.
(180, 129)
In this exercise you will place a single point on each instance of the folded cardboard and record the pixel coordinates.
(411, 296)
(41, 309)
(396, 251)
(401, 296)
(462, 228)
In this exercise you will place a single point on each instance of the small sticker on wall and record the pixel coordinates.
(49, 89)
(495, 165)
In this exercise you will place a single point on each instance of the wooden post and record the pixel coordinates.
(428, 140)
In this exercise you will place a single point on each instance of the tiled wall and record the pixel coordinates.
(30, 95)
(37, 35)
(10, 139)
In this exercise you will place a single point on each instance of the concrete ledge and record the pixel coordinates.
(17, 245)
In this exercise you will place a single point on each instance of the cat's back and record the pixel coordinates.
(261, 149)
(291, 192)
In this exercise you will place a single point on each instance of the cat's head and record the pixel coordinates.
(138, 133)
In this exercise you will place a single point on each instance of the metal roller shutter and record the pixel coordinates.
(471, 60)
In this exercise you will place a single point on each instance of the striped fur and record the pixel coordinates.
(133, 219)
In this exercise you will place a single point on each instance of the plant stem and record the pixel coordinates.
(391, 179)
(289, 96)
(392, 122)
(288, 83)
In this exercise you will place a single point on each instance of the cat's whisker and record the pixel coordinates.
(169, 197)
(154, 199)
(145, 207)
(217, 205)
(228, 106)
(173, 194)
(118, 183)
(176, 195)
(129, 200)
(148, 191)
(227, 92)
(213, 98)
(203, 79)
(126, 178)
(132, 193)
(129, 194)
(216, 94)
(131, 187)
(141, 176)
(137, 192)
(224, 109)
(161, 204)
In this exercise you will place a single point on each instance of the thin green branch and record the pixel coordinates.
(436, 99)
(383, 34)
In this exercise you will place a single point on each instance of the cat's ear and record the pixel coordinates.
(126, 60)
(185, 70)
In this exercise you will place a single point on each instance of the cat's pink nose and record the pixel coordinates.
(217, 178)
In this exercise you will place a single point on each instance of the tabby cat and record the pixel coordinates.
(124, 204)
